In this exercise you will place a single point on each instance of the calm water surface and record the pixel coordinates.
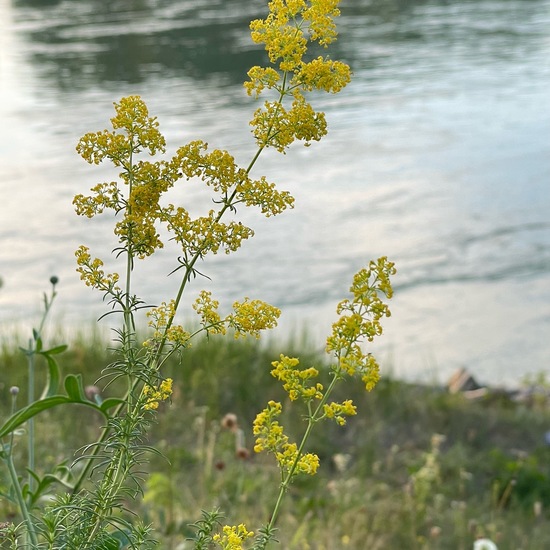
(438, 155)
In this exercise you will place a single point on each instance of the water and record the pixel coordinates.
(437, 156)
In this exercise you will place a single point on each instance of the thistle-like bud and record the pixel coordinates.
(229, 422)
(242, 453)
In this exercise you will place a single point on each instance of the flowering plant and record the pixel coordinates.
(91, 512)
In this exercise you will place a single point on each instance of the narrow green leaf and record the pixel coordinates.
(54, 376)
(21, 416)
(73, 385)
(55, 350)
(43, 483)
(74, 388)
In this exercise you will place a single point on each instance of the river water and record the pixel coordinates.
(438, 156)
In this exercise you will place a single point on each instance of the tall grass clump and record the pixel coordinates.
(87, 503)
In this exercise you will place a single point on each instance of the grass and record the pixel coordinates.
(417, 468)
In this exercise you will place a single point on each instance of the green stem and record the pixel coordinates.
(37, 335)
(21, 501)
(111, 484)
(102, 438)
(128, 329)
(16, 486)
(30, 424)
(312, 420)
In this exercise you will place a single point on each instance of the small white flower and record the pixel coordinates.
(485, 544)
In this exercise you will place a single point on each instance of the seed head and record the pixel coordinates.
(229, 422)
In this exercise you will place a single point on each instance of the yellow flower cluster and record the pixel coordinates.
(283, 31)
(360, 320)
(287, 458)
(159, 319)
(178, 336)
(323, 74)
(263, 194)
(233, 537)
(153, 396)
(286, 32)
(141, 205)
(269, 432)
(295, 381)
(92, 274)
(219, 171)
(252, 316)
(270, 437)
(134, 131)
(339, 411)
(140, 133)
(217, 168)
(207, 308)
(249, 317)
(278, 127)
(205, 233)
(105, 195)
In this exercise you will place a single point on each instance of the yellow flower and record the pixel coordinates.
(155, 395)
(92, 274)
(360, 321)
(295, 381)
(288, 458)
(233, 537)
(207, 309)
(339, 411)
(166, 389)
(286, 32)
(252, 316)
(269, 432)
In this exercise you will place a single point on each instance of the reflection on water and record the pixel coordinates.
(75, 44)
(437, 156)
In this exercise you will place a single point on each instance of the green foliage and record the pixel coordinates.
(365, 466)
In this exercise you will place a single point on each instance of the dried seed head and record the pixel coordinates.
(243, 453)
(229, 422)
